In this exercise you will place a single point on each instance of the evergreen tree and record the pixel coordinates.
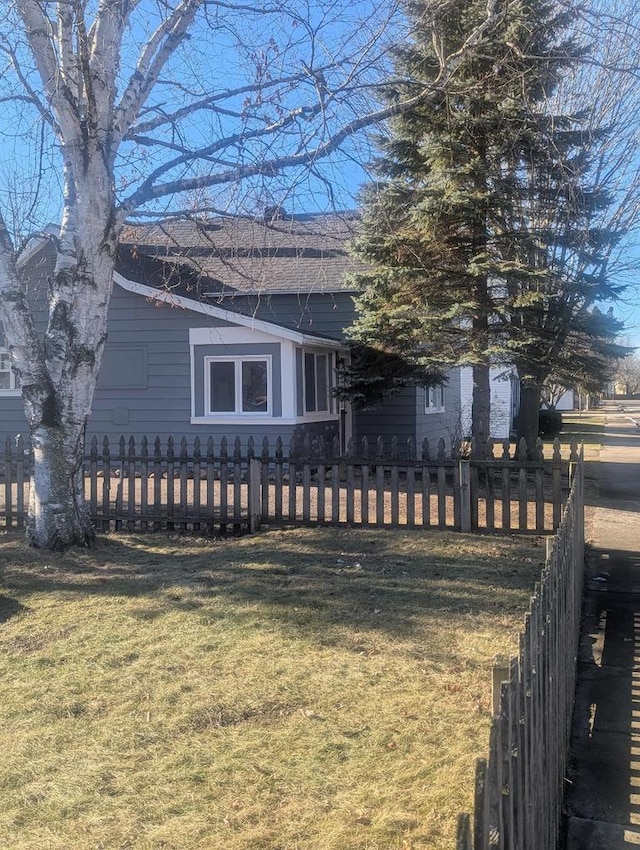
(590, 355)
(477, 233)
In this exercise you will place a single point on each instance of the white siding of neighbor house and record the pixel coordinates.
(501, 401)
(566, 401)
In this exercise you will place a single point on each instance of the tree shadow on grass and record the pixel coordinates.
(314, 581)
(9, 608)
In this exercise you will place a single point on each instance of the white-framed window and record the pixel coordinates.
(239, 386)
(317, 382)
(434, 400)
(8, 382)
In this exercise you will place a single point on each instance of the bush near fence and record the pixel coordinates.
(209, 487)
(520, 787)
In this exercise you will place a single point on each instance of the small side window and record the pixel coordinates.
(434, 400)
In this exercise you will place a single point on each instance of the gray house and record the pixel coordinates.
(233, 327)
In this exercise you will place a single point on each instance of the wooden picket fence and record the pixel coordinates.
(519, 788)
(210, 487)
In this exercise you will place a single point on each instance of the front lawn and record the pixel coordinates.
(312, 689)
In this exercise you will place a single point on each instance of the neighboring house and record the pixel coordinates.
(233, 327)
(564, 400)
(505, 400)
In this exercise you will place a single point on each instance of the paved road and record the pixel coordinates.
(602, 802)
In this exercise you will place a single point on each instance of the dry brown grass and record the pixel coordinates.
(296, 690)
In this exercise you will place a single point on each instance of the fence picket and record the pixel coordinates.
(93, 476)
(237, 481)
(224, 485)
(265, 467)
(8, 483)
(293, 472)
(442, 503)
(122, 460)
(197, 483)
(306, 492)
(321, 492)
(523, 502)
(106, 484)
(21, 473)
(506, 498)
(350, 485)
(144, 484)
(131, 485)
(278, 479)
(395, 489)
(379, 481)
(211, 495)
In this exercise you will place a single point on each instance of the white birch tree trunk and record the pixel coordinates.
(73, 347)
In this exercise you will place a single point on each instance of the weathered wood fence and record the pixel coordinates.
(519, 788)
(208, 487)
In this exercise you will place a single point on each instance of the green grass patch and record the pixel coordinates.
(311, 689)
(585, 427)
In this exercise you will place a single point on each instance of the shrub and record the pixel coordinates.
(550, 423)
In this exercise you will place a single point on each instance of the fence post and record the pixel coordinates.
(255, 494)
(465, 496)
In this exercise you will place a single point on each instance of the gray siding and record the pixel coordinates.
(325, 314)
(163, 405)
(395, 417)
(12, 421)
(403, 416)
(446, 425)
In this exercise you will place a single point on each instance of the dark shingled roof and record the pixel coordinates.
(241, 256)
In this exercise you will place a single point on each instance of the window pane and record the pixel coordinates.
(434, 399)
(309, 383)
(254, 386)
(322, 382)
(5, 371)
(222, 391)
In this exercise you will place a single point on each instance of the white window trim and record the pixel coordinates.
(13, 391)
(434, 394)
(238, 415)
